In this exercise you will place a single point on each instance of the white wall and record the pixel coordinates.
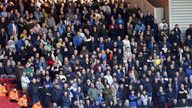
(180, 12)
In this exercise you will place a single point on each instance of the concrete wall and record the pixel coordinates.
(144, 5)
(164, 4)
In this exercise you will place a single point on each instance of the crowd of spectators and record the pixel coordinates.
(96, 54)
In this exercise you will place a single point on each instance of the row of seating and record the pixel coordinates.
(5, 103)
(7, 80)
(10, 84)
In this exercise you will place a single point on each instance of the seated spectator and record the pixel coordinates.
(3, 91)
(13, 95)
(22, 102)
(37, 105)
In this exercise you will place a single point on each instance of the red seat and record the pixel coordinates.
(7, 80)
(19, 93)
(10, 86)
(5, 103)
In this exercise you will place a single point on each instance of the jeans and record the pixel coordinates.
(35, 98)
(170, 103)
(162, 104)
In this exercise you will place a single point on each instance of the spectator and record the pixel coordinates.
(3, 91)
(12, 28)
(93, 92)
(144, 99)
(126, 48)
(13, 95)
(66, 102)
(189, 71)
(139, 27)
(37, 105)
(161, 97)
(171, 95)
(57, 96)
(88, 104)
(189, 30)
(46, 96)
(107, 94)
(23, 101)
(149, 19)
(78, 40)
(132, 100)
(61, 28)
(25, 83)
(163, 24)
(99, 85)
(121, 93)
(177, 32)
(109, 78)
(34, 90)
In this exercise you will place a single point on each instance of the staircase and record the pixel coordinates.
(5, 103)
(9, 84)
(180, 13)
(164, 4)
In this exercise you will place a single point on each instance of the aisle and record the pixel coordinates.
(5, 103)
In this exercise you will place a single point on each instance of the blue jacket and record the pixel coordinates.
(77, 40)
(132, 101)
(57, 96)
(101, 46)
(189, 71)
(66, 101)
(120, 22)
(10, 29)
(20, 43)
(48, 83)
(61, 28)
(161, 97)
(121, 94)
(137, 27)
(43, 65)
(119, 75)
(120, 44)
(100, 99)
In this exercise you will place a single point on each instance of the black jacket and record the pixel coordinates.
(188, 32)
(57, 96)
(46, 96)
(66, 101)
(161, 96)
(170, 94)
(33, 89)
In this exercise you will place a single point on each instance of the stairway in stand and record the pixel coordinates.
(5, 103)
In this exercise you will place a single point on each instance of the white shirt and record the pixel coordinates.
(24, 81)
(190, 94)
(14, 29)
(161, 25)
(126, 43)
(11, 44)
(144, 99)
(109, 79)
